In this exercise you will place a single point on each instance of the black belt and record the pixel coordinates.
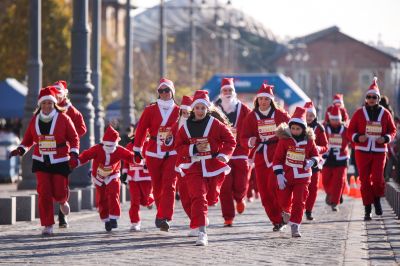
(267, 142)
(153, 138)
(60, 145)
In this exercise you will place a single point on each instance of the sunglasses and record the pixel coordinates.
(165, 90)
(371, 97)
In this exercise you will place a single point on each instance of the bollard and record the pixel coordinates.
(128, 194)
(25, 208)
(75, 200)
(36, 206)
(122, 193)
(87, 198)
(8, 210)
(94, 197)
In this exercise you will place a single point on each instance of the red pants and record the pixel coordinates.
(107, 199)
(234, 187)
(333, 180)
(184, 195)
(141, 194)
(292, 199)
(312, 191)
(370, 167)
(50, 187)
(163, 179)
(267, 186)
(252, 185)
(199, 187)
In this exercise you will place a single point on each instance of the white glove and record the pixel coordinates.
(309, 164)
(281, 181)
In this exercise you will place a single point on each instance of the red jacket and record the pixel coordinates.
(159, 126)
(76, 118)
(343, 112)
(221, 143)
(384, 126)
(338, 143)
(290, 155)
(264, 153)
(105, 167)
(136, 172)
(62, 139)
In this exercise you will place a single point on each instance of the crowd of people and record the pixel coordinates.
(210, 153)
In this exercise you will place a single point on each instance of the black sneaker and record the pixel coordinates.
(108, 226)
(177, 196)
(367, 215)
(309, 216)
(62, 220)
(278, 227)
(327, 200)
(164, 225)
(158, 222)
(341, 199)
(334, 208)
(114, 223)
(378, 206)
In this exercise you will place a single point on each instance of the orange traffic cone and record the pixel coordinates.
(353, 187)
(358, 191)
(320, 184)
(346, 188)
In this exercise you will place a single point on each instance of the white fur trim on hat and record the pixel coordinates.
(264, 94)
(110, 143)
(185, 107)
(339, 117)
(298, 120)
(47, 97)
(376, 92)
(203, 101)
(168, 84)
(312, 110)
(228, 86)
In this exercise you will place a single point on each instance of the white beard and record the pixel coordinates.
(49, 116)
(228, 103)
(110, 150)
(165, 105)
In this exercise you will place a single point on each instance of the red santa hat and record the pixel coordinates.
(164, 82)
(338, 98)
(374, 89)
(48, 93)
(61, 86)
(201, 96)
(299, 116)
(227, 83)
(186, 103)
(266, 91)
(111, 136)
(335, 113)
(309, 106)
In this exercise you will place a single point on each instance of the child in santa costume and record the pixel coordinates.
(236, 182)
(56, 144)
(139, 183)
(204, 145)
(106, 166)
(371, 128)
(322, 146)
(294, 157)
(334, 171)
(158, 119)
(337, 101)
(79, 123)
(259, 134)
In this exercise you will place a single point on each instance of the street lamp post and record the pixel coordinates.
(127, 105)
(163, 41)
(96, 74)
(81, 87)
(34, 85)
(193, 55)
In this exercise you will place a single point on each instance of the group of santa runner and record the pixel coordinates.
(208, 151)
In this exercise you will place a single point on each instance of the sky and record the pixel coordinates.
(365, 20)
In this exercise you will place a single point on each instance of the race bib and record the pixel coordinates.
(266, 128)
(295, 157)
(373, 129)
(104, 171)
(206, 154)
(163, 133)
(47, 144)
(335, 140)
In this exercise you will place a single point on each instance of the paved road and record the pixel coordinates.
(333, 239)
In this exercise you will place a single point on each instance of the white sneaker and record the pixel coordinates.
(135, 227)
(295, 230)
(194, 232)
(202, 239)
(47, 231)
(65, 209)
(285, 217)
